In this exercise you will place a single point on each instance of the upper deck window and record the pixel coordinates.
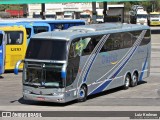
(43, 49)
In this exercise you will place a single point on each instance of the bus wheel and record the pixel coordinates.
(134, 80)
(127, 81)
(82, 94)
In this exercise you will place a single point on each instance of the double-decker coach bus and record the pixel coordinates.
(16, 44)
(71, 64)
(2, 52)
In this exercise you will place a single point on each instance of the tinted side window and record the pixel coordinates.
(118, 41)
(73, 62)
(91, 45)
(127, 40)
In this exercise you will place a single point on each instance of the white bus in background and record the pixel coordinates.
(142, 17)
(99, 17)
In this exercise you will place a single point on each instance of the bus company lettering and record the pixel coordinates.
(15, 49)
(109, 59)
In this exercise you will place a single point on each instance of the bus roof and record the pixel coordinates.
(87, 30)
(154, 12)
(52, 21)
(34, 23)
(15, 24)
(12, 28)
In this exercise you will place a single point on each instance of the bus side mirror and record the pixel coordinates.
(17, 66)
(63, 72)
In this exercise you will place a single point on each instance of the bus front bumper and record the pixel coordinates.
(45, 98)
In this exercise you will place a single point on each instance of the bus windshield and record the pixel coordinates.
(99, 16)
(44, 49)
(13, 37)
(155, 15)
(51, 77)
(142, 16)
(1, 39)
(39, 29)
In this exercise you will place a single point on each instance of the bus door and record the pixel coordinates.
(2, 52)
(16, 42)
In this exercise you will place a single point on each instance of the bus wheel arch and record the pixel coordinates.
(127, 81)
(134, 79)
(82, 93)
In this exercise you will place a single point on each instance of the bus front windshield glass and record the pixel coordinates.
(99, 16)
(155, 15)
(43, 49)
(141, 16)
(46, 77)
(39, 29)
(50, 74)
(1, 39)
(14, 37)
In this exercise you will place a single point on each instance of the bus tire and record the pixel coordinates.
(134, 79)
(127, 82)
(82, 93)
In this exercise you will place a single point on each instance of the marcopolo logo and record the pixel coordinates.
(110, 58)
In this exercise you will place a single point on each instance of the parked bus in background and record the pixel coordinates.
(99, 17)
(38, 27)
(154, 18)
(139, 17)
(28, 27)
(62, 66)
(2, 52)
(142, 17)
(16, 43)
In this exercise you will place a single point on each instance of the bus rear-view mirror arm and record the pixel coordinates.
(17, 66)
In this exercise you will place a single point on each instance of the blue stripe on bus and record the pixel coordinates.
(97, 52)
(85, 78)
(143, 68)
(104, 85)
(99, 89)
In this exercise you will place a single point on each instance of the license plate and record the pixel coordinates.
(40, 98)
